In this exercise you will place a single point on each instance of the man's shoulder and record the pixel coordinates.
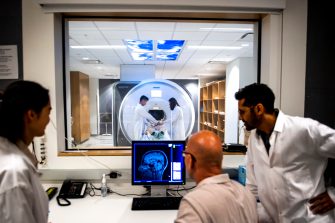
(299, 120)
(209, 190)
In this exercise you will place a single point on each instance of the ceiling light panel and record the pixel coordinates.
(222, 36)
(154, 50)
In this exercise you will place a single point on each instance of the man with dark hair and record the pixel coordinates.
(286, 159)
(141, 116)
(144, 98)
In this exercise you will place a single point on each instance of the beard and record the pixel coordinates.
(248, 127)
(254, 122)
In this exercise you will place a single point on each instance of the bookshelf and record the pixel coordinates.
(212, 107)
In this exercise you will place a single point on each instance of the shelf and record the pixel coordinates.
(212, 107)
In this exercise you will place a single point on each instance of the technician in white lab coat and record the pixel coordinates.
(24, 114)
(141, 118)
(286, 160)
(176, 121)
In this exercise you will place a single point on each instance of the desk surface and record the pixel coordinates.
(111, 209)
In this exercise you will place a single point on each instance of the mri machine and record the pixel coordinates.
(159, 92)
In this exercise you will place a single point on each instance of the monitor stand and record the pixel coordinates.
(158, 191)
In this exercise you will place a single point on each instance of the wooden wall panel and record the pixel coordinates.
(80, 106)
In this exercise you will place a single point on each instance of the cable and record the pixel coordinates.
(102, 164)
(111, 191)
(178, 191)
(91, 191)
(190, 188)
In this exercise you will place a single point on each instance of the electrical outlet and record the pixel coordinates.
(115, 174)
(43, 152)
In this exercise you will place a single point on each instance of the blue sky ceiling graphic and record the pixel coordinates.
(154, 49)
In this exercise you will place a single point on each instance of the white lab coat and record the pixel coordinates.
(176, 123)
(22, 197)
(140, 117)
(292, 173)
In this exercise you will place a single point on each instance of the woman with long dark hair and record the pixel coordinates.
(176, 120)
(24, 114)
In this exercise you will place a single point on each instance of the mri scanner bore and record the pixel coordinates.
(158, 106)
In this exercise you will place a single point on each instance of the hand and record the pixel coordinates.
(321, 203)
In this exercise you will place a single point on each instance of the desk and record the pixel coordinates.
(110, 209)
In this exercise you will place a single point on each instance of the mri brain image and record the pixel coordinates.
(153, 165)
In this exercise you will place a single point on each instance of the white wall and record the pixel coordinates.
(94, 99)
(239, 73)
(143, 72)
(42, 56)
(294, 57)
(271, 54)
(231, 107)
(283, 64)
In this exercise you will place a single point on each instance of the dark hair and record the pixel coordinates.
(257, 93)
(173, 103)
(18, 98)
(143, 97)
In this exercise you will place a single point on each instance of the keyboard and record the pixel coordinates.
(156, 203)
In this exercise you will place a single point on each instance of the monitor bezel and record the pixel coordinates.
(183, 182)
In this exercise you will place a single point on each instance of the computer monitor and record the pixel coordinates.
(158, 163)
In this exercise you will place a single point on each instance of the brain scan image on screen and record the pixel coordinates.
(153, 165)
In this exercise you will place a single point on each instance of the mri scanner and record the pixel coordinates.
(159, 92)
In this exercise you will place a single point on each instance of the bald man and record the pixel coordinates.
(216, 198)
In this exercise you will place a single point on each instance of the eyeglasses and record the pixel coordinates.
(188, 153)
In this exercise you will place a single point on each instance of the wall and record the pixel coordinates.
(11, 32)
(94, 101)
(42, 63)
(40, 58)
(240, 73)
(294, 57)
(283, 56)
(271, 48)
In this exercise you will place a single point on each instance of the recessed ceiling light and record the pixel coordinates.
(245, 44)
(215, 47)
(235, 29)
(207, 74)
(91, 61)
(221, 60)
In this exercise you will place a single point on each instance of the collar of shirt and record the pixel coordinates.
(279, 122)
(278, 125)
(27, 154)
(217, 179)
(277, 128)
